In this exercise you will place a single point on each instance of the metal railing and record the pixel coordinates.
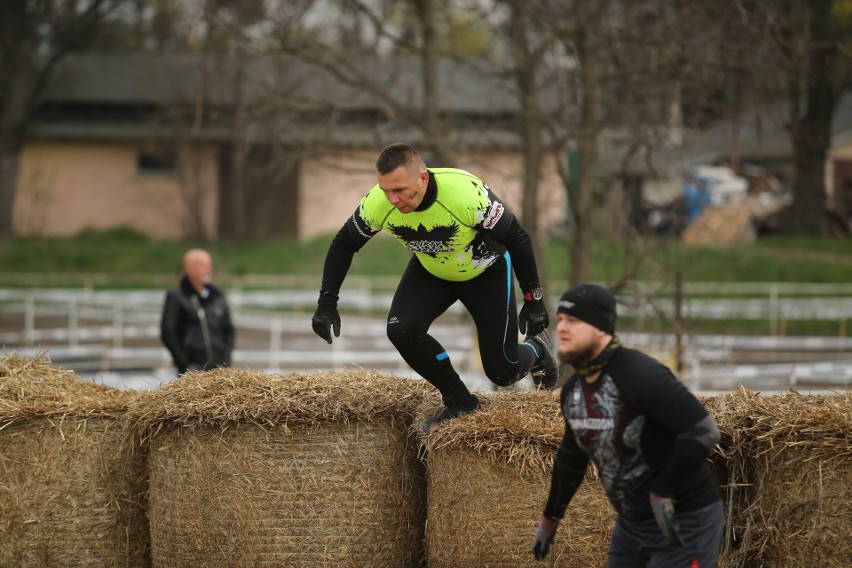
(107, 330)
(113, 330)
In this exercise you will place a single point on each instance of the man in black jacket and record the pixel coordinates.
(648, 436)
(196, 325)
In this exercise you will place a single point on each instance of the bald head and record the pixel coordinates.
(198, 267)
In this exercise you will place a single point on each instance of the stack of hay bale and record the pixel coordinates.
(789, 464)
(250, 469)
(488, 476)
(69, 489)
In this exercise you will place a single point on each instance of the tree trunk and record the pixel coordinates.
(530, 215)
(434, 133)
(10, 161)
(526, 64)
(581, 240)
(807, 215)
(587, 146)
(811, 132)
(18, 84)
(25, 29)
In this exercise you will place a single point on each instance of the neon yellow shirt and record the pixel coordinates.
(449, 236)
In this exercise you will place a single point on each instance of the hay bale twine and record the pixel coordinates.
(488, 474)
(252, 469)
(791, 471)
(69, 493)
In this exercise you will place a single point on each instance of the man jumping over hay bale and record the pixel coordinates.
(466, 243)
(648, 436)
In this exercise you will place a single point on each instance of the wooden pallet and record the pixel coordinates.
(724, 225)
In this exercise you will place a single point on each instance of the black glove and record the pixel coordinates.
(544, 537)
(664, 514)
(533, 318)
(324, 318)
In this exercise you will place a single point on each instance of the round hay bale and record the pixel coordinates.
(69, 487)
(791, 466)
(251, 469)
(726, 470)
(488, 474)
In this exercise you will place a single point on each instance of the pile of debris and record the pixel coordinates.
(717, 206)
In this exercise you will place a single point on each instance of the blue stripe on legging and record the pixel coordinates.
(508, 278)
(508, 298)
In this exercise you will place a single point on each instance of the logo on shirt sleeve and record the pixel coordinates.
(362, 226)
(494, 214)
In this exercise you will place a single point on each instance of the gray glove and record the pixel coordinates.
(544, 537)
(664, 514)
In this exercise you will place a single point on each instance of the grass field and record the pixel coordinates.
(123, 258)
(126, 252)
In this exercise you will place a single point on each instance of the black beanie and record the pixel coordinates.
(591, 303)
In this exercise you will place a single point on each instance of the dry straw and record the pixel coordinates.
(789, 486)
(488, 477)
(69, 493)
(253, 469)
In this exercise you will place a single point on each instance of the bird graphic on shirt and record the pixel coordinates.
(427, 241)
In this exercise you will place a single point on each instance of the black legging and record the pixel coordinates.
(490, 298)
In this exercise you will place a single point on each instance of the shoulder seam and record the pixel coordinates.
(453, 215)
(447, 209)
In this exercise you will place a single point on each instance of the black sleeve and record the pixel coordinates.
(666, 400)
(349, 239)
(170, 330)
(689, 453)
(569, 469)
(229, 331)
(509, 232)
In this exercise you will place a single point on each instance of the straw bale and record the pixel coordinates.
(225, 396)
(725, 470)
(69, 486)
(790, 468)
(488, 474)
(252, 469)
(33, 388)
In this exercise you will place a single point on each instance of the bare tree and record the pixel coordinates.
(34, 38)
(369, 51)
(574, 121)
(375, 48)
(808, 38)
(242, 94)
(224, 48)
(643, 72)
(529, 42)
(791, 52)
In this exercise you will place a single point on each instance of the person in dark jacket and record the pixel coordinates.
(648, 436)
(196, 325)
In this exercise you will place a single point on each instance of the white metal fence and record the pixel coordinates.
(103, 331)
